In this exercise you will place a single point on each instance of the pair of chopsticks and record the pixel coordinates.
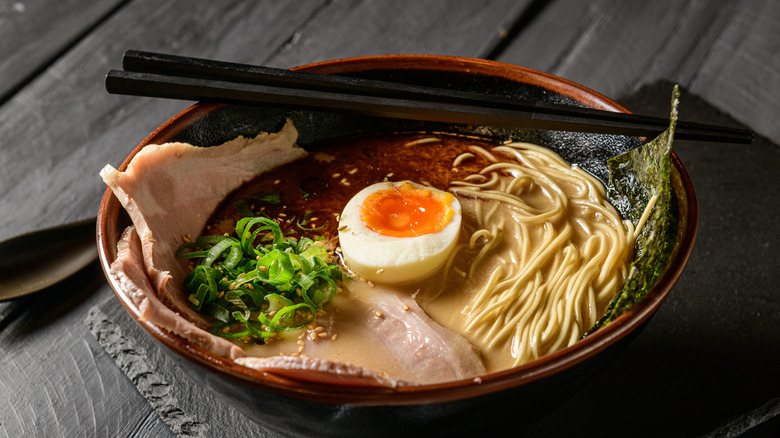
(176, 77)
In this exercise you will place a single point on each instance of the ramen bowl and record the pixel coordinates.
(293, 404)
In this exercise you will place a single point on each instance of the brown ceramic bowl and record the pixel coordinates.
(500, 401)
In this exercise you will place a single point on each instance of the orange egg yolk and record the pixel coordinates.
(406, 211)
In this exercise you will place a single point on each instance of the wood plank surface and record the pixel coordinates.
(34, 33)
(61, 128)
(726, 51)
(348, 28)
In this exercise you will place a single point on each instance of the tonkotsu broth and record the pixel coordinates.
(310, 193)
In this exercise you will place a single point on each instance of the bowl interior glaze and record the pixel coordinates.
(546, 381)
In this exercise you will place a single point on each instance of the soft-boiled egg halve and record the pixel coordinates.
(398, 232)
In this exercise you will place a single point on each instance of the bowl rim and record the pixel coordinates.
(338, 392)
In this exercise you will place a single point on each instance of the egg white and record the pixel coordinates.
(393, 260)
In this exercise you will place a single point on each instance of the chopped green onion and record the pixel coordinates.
(268, 197)
(216, 251)
(277, 302)
(198, 297)
(242, 284)
(303, 223)
(217, 312)
(243, 208)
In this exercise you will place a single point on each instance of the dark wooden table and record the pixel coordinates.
(707, 364)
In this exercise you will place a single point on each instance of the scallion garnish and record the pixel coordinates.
(256, 289)
(268, 197)
(243, 208)
(303, 224)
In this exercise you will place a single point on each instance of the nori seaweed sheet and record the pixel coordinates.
(634, 178)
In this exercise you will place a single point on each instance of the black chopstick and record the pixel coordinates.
(150, 62)
(169, 76)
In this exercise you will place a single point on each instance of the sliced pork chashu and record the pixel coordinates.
(130, 273)
(170, 191)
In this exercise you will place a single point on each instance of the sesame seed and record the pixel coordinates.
(300, 342)
(370, 283)
(277, 181)
(335, 335)
(379, 271)
(342, 228)
(186, 238)
(378, 314)
(344, 182)
(310, 327)
(336, 175)
(406, 308)
(322, 335)
(282, 215)
(319, 329)
(262, 268)
(312, 336)
(353, 171)
(300, 349)
(389, 175)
